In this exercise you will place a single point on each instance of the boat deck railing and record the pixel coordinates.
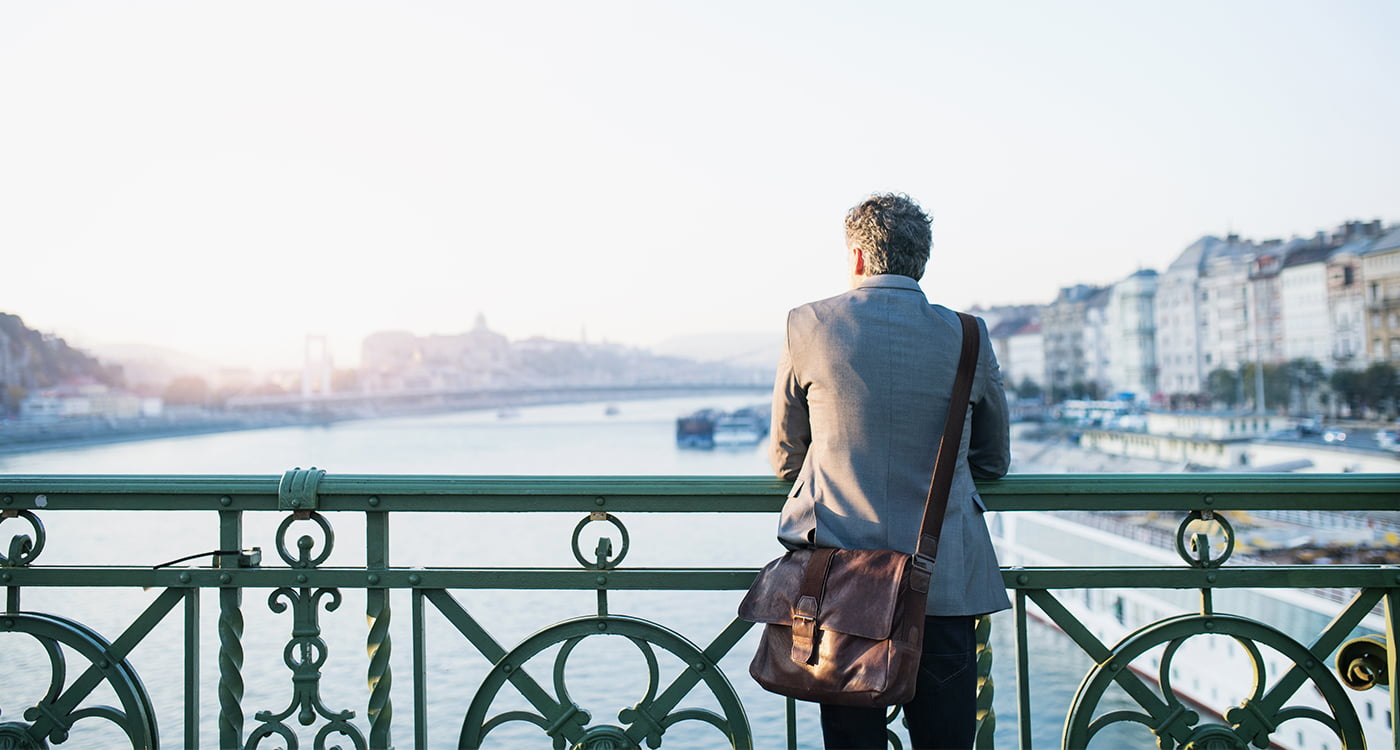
(276, 537)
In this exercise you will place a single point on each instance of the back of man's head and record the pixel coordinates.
(893, 234)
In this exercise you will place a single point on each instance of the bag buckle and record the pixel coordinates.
(804, 630)
(921, 573)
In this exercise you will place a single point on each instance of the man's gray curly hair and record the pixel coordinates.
(893, 234)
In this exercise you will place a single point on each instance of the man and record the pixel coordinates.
(859, 404)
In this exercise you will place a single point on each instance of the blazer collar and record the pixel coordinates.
(890, 281)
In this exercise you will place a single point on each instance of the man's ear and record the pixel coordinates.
(858, 262)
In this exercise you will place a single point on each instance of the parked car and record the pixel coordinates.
(1312, 426)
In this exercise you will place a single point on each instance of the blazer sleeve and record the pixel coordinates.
(791, 426)
(989, 448)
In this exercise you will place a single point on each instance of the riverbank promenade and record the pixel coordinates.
(376, 611)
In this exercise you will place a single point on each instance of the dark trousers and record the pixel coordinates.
(943, 713)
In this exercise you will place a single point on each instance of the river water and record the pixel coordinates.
(604, 674)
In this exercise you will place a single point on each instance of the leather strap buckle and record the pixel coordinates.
(804, 629)
(920, 573)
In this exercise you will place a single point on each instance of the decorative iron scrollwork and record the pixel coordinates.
(570, 726)
(53, 717)
(23, 549)
(1362, 663)
(1176, 725)
(306, 652)
(304, 655)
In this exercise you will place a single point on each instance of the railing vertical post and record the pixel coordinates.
(420, 677)
(230, 639)
(986, 690)
(790, 709)
(1023, 673)
(378, 645)
(192, 667)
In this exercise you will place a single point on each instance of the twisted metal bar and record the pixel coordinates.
(379, 646)
(230, 667)
(986, 691)
(230, 629)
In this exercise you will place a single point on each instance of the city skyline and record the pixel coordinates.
(225, 180)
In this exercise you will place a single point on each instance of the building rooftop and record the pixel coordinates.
(1354, 247)
(1387, 242)
(1308, 253)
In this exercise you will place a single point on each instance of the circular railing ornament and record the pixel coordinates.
(1194, 545)
(1215, 737)
(15, 736)
(606, 738)
(605, 559)
(645, 721)
(1249, 723)
(305, 543)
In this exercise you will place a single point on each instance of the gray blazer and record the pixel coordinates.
(859, 404)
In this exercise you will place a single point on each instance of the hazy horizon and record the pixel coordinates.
(226, 179)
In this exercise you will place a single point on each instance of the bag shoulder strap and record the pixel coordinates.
(947, 459)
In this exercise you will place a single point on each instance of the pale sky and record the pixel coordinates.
(225, 178)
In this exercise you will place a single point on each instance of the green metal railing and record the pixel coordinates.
(301, 580)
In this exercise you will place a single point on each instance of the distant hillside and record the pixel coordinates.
(31, 360)
(152, 367)
(759, 350)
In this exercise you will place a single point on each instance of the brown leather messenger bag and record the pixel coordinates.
(847, 626)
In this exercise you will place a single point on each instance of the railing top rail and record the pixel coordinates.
(366, 492)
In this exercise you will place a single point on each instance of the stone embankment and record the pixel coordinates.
(1038, 450)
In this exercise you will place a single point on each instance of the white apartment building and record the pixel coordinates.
(1226, 337)
(1096, 342)
(1264, 301)
(1025, 351)
(1064, 324)
(1346, 306)
(1306, 318)
(1020, 349)
(1131, 330)
(1178, 321)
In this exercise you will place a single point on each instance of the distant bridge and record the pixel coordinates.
(484, 397)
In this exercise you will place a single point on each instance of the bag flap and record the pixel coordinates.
(859, 599)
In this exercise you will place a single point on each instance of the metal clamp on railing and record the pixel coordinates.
(297, 490)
